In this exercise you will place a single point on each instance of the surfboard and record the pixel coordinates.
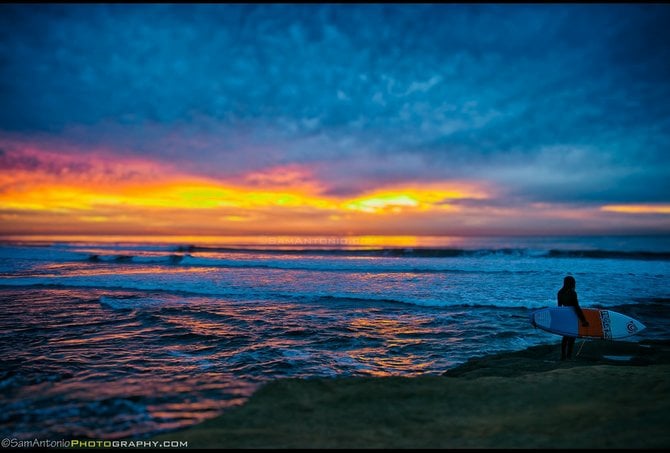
(604, 324)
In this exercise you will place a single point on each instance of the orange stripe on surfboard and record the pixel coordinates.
(595, 328)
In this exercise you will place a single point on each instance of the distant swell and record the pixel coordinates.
(191, 261)
(381, 252)
(377, 267)
(608, 254)
(440, 252)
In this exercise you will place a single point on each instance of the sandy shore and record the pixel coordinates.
(613, 395)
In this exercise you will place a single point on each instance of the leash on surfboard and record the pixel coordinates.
(580, 347)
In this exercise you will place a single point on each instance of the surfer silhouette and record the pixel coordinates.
(567, 297)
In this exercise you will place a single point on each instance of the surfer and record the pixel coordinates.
(567, 297)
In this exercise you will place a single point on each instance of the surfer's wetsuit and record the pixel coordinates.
(567, 297)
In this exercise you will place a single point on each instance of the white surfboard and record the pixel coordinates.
(605, 324)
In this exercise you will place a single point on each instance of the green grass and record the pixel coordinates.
(599, 406)
(523, 399)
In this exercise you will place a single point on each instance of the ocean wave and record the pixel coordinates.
(425, 252)
(416, 260)
(664, 301)
(609, 254)
(429, 303)
(138, 259)
(55, 254)
(406, 252)
(46, 283)
(130, 302)
(321, 266)
(150, 296)
(383, 266)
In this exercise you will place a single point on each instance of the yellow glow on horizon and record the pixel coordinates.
(199, 195)
(379, 203)
(638, 209)
(355, 241)
(94, 218)
(189, 195)
(424, 198)
(238, 218)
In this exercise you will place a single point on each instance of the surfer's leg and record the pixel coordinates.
(571, 343)
(564, 348)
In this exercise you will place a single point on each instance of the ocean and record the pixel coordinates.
(128, 337)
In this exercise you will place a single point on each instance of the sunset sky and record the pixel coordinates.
(334, 119)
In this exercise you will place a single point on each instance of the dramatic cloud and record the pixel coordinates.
(561, 105)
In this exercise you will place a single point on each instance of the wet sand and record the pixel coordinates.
(613, 395)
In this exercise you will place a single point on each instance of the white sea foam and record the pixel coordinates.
(489, 280)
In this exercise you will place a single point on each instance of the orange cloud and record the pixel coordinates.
(63, 193)
(638, 208)
(48, 192)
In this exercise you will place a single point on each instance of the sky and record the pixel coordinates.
(316, 119)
